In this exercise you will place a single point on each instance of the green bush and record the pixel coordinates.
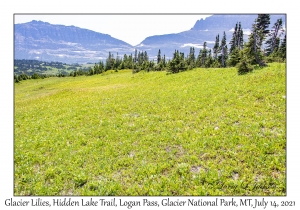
(244, 65)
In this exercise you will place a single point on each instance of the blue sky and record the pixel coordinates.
(132, 29)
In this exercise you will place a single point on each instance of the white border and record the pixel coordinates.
(154, 6)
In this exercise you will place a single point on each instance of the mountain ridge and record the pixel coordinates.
(38, 39)
(49, 42)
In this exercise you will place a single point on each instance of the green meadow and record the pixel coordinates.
(199, 132)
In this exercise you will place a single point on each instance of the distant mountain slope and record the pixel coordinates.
(44, 41)
(70, 44)
(203, 31)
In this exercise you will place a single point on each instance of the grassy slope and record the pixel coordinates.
(200, 132)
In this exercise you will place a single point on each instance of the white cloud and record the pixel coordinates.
(192, 45)
(247, 31)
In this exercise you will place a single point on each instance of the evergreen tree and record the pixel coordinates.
(16, 78)
(274, 37)
(182, 62)
(192, 55)
(244, 65)
(110, 61)
(117, 62)
(216, 48)
(151, 65)
(262, 23)
(234, 40)
(177, 64)
(282, 48)
(224, 50)
(129, 62)
(236, 44)
(173, 65)
(256, 38)
(35, 76)
(158, 57)
(240, 37)
(124, 62)
(24, 76)
(234, 57)
(146, 58)
(237, 39)
(203, 54)
(135, 59)
(198, 60)
(209, 60)
(139, 58)
(101, 66)
(191, 58)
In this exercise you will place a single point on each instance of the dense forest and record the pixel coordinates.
(264, 46)
(30, 69)
(24, 65)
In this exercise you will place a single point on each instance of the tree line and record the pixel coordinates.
(24, 65)
(263, 46)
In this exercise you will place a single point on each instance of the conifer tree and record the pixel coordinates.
(198, 60)
(146, 58)
(192, 55)
(135, 59)
(236, 44)
(209, 60)
(129, 63)
(216, 48)
(191, 58)
(274, 37)
(139, 60)
(101, 67)
(35, 76)
(240, 36)
(224, 50)
(16, 79)
(174, 63)
(158, 57)
(177, 64)
(234, 39)
(282, 48)
(237, 39)
(117, 62)
(203, 54)
(244, 65)
(256, 38)
(262, 23)
(234, 57)
(110, 61)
